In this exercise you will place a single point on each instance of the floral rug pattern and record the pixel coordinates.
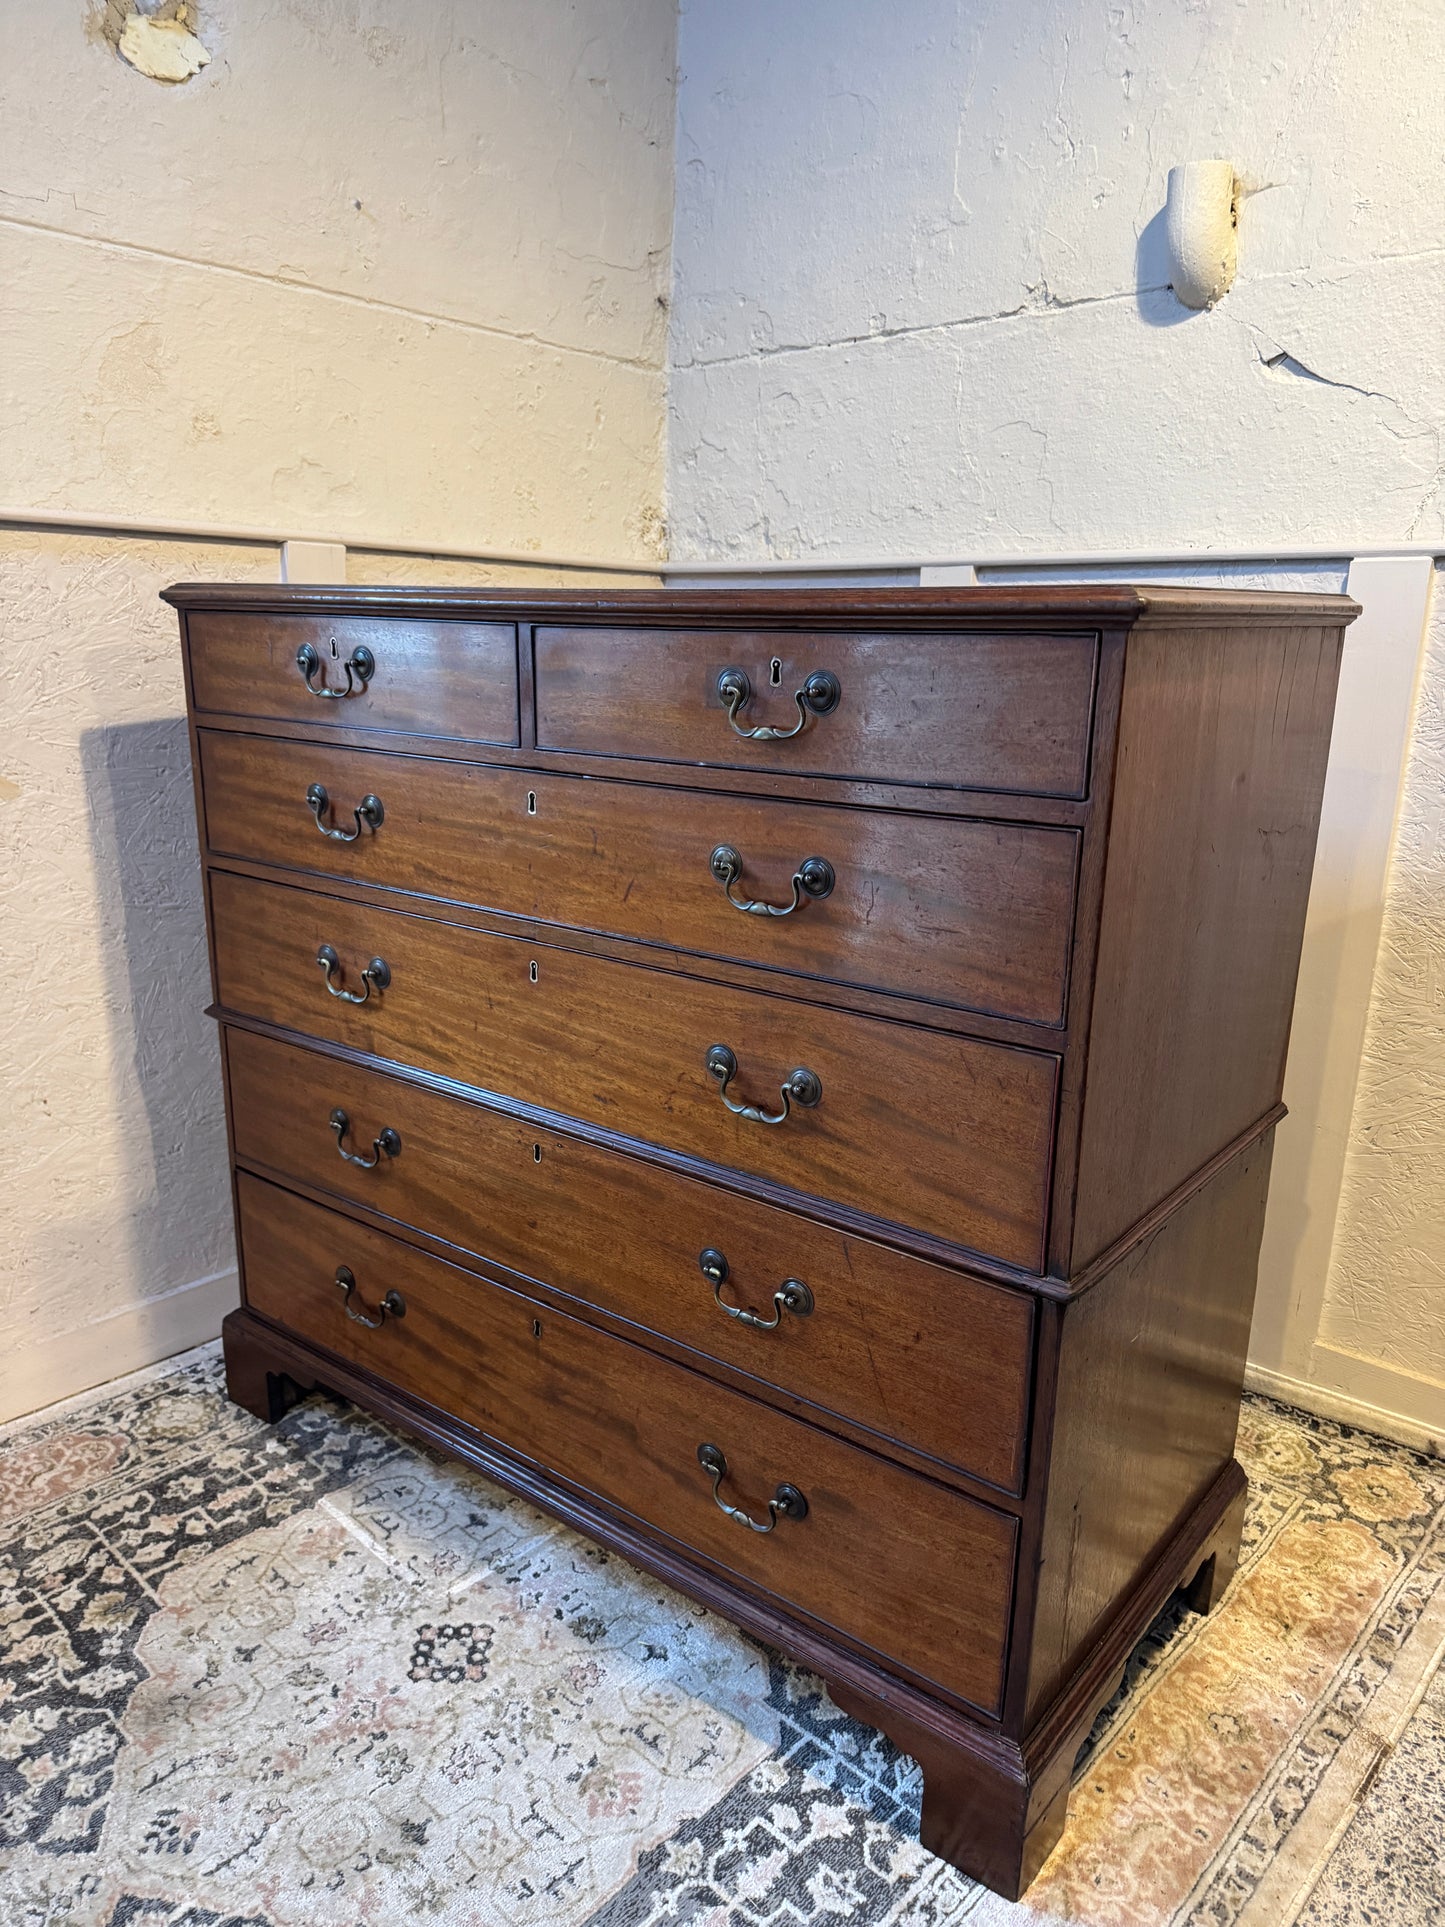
(314, 1675)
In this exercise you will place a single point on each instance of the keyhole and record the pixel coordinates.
(775, 671)
(334, 650)
(531, 802)
(532, 970)
(536, 1328)
(536, 1154)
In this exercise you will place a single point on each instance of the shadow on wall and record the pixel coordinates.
(1157, 304)
(168, 1192)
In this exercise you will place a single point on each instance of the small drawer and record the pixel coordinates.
(950, 1134)
(857, 1544)
(849, 1325)
(957, 711)
(453, 680)
(973, 914)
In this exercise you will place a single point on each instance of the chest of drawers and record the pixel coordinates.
(786, 1082)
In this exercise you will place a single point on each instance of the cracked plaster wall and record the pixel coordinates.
(372, 270)
(390, 271)
(920, 309)
(920, 300)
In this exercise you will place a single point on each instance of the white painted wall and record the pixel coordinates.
(920, 309)
(1382, 1329)
(920, 302)
(402, 274)
(396, 272)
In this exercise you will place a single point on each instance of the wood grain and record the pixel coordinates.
(970, 914)
(945, 1133)
(967, 710)
(1220, 770)
(433, 677)
(886, 1344)
(1071, 828)
(622, 1423)
(1145, 1410)
(1019, 607)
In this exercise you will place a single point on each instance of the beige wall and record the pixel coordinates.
(402, 276)
(373, 272)
(1382, 1329)
(115, 1242)
(396, 272)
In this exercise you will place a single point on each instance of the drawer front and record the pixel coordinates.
(961, 711)
(883, 1339)
(456, 680)
(950, 1134)
(976, 915)
(896, 1563)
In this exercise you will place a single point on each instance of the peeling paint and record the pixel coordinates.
(162, 49)
(953, 331)
(356, 279)
(859, 326)
(156, 37)
(213, 326)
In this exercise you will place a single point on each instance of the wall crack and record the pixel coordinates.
(322, 292)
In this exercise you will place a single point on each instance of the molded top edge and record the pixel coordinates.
(1066, 604)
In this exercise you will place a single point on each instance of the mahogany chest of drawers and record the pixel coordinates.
(786, 1082)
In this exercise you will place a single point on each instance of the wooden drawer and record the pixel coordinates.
(947, 1133)
(882, 1339)
(973, 914)
(992, 712)
(615, 1420)
(456, 680)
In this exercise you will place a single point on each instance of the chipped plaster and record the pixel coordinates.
(920, 307)
(370, 270)
(417, 279)
(158, 40)
(921, 300)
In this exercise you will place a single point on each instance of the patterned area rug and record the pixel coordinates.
(315, 1676)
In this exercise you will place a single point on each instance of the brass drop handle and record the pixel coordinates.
(820, 693)
(368, 811)
(802, 1087)
(386, 1143)
(360, 667)
(786, 1503)
(393, 1301)
(376, 976)
(813, 878)
(792, 1295)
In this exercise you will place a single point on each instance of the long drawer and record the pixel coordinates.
(932, 1358)
(994, 712)
(949, 1134)
(863, 1551)
(961, 912)
(418, 677)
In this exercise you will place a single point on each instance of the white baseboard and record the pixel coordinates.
(59, 1367)
(1397, 1406)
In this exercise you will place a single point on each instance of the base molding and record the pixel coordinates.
(1396, 1405)
(67, 1363)
(994, 1804)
